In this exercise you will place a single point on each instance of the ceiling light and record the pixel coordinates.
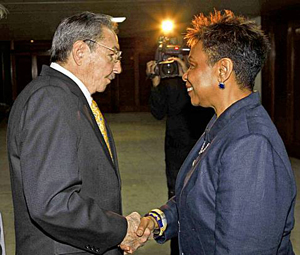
(167, 26)
(118, 19)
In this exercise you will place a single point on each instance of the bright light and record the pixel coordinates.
(167, 26)
(118, 19)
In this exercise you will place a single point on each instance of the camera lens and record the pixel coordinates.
(169, 69)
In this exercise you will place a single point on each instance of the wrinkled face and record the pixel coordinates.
(101, 64)
(201, 80)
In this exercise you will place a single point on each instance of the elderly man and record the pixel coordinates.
(64, 170)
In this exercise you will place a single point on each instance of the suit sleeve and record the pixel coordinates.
(253, 199)
(51, 178)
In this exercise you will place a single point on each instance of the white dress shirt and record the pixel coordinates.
(82, 87)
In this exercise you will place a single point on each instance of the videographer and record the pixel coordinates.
(184, 124)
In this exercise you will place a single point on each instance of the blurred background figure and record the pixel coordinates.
(184, 124)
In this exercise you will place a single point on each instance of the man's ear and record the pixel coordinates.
(225, 69)
(79, 51)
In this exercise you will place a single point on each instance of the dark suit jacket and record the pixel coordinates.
(66, 189)
(238, 196)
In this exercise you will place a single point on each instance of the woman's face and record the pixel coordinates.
(201, 79)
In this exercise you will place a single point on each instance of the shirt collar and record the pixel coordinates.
(82, 87)
(216, 124)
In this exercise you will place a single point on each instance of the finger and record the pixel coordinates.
(125, 248)
(153, 67)
(145, 223)
(146, 235)
(128, 250)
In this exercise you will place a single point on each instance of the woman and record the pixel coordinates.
(235, 192)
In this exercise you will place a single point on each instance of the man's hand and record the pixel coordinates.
(182, 65)
(150, 69)
(132, 241)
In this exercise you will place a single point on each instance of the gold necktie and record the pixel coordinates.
(101, 124)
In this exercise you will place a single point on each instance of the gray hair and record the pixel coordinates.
(81, 26)
(3, 11)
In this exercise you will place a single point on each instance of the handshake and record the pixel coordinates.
(139, 230)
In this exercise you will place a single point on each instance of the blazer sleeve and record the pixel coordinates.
(253, 198)
(170, 211)
(51, 178)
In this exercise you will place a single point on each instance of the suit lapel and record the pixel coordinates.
(91, 118)
(113, 149)
(83, 107)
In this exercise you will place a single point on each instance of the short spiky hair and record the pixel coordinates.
(224, 35)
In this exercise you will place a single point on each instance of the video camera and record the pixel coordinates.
(168, 47)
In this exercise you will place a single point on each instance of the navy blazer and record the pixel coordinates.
(66, 188)
(235, 192)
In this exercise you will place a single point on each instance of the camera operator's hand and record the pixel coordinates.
(150, 70)
(182, 66)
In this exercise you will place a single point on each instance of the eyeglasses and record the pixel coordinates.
(117, 53)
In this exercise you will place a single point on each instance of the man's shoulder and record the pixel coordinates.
(50, 80)
(45, 86)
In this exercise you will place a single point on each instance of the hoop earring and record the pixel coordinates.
(222, 85)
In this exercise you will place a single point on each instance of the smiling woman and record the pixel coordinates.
(201, 79)
(235, 192)
(220, 59)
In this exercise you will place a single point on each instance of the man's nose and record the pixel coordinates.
(118, 67)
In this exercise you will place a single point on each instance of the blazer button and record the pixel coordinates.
(194, 162)
(88, 247)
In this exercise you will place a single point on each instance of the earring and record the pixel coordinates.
(222, 85)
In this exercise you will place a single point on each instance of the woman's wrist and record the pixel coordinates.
(159, 220)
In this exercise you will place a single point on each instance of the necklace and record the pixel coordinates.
(203, 147)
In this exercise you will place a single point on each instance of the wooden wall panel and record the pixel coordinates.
(281, 74)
